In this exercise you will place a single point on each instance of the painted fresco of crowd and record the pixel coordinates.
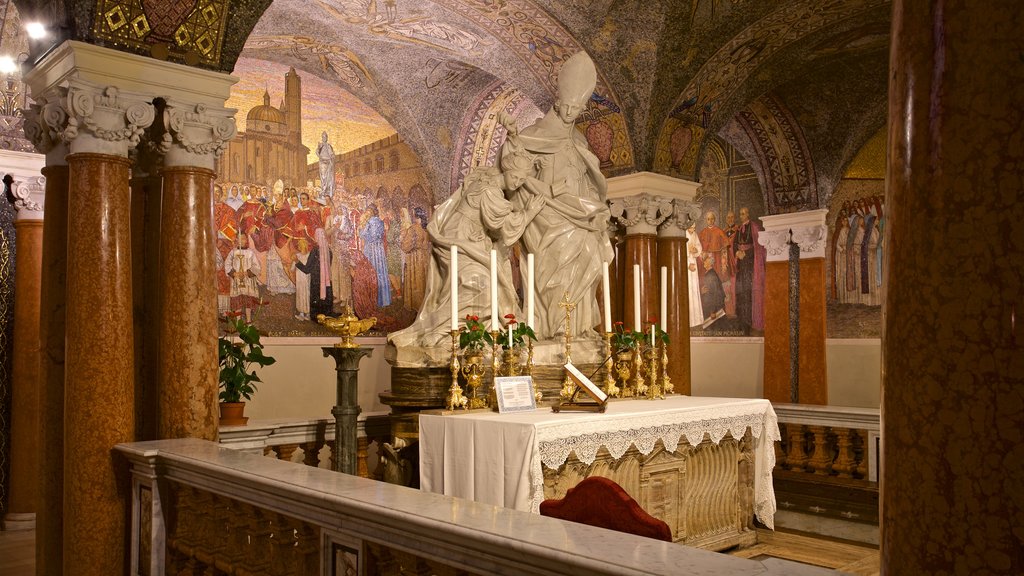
(319, 251)
(726, 271)
(857, 252)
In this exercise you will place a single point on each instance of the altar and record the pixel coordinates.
(703, 465)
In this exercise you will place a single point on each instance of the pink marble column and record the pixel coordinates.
(188, 306)
(52, 304)
(99, 383)
(952, 340)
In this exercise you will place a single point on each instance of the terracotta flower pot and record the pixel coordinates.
(231, 414)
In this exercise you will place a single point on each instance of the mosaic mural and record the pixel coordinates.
(726, 264)
(191, 31)
(319, 204)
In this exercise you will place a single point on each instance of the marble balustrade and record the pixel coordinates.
(829, 441)
(310, 441)
(199, 507)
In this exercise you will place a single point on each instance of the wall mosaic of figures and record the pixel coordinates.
(726, 264)
(293, 243)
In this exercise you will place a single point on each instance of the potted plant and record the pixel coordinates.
(238, 350)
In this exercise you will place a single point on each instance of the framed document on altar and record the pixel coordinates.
(515, 394)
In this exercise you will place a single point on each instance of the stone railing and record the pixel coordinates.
(309, 442)
(829, 440)
(199, 508)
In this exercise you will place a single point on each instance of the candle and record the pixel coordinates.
(653, 342)
(495, 324)
(607, 298)
(510, 335)
(664, 299)
(529, 290)
(636, 298)
(453, 272)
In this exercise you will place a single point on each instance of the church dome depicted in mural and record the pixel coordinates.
(266, 118)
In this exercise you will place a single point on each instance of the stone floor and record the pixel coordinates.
(17, 552)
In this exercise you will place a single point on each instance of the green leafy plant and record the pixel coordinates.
(238, 351)
(623, 339)
(520, 332)
(659, 334)
(474, 336)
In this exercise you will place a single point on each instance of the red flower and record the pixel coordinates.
(618, 323)
(652, 320)
(233, 314)
(510, 316)
(474, 318)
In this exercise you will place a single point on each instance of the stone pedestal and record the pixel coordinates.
(346, 409)
(802, 313)
(953, 318)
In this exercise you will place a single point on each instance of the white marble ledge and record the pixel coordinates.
(837, 416)
(478, 536)
(276, 431)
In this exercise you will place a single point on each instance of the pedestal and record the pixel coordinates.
(346, 409)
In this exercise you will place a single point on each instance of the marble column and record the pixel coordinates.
(23, 498)
(952, 340)
(188, 370)
(808, 231)
(672, 255)
(43, 119)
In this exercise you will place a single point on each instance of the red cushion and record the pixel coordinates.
(601, 502)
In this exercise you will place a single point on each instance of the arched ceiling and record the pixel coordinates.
(672, 73)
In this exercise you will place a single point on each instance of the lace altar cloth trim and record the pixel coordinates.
(618, 433)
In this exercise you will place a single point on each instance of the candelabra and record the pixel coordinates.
(609, 373)
(473, 371)
(666, 383)
(456, 399)
(653, 361)
(639, 382)
(568, 386)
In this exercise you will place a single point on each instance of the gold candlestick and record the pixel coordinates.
(455, 397)
(510, 362)
(609, 370)
(473, 371)
(568, 386)
(653, 390)
(495, 358)
(639, 384)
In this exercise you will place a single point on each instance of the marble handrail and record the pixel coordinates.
(826, 440)
(246, 499)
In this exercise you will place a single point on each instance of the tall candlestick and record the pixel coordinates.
(607, 298)
(495, 324)
(636, 298)
(453, 272)
(664, 299)
(529, 290)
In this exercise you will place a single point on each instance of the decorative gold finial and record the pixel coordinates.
(568, 386)
(348, 326)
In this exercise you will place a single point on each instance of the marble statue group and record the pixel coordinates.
(549, 196)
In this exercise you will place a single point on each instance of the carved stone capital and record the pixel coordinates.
(684, 213)
(776, 244)
(27, 197)
(195, 134)
(808, 229)
(641, 214)
(45, 121)
(104, 119)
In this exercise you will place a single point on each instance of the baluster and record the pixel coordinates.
(796, 457)
(270, 451)
(285, 451)
(845, 463)
(310, 454)
(862, 439)
(821, 461)
(361, 449)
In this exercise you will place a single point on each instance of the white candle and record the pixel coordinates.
(529, 290)
(653, 343)
(607, 298)
(636, 298)
(664, 299)
(509, 335)
(453, 272)
(495, 324)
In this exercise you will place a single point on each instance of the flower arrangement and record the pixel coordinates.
(520, 332)
(475, 335)
(623, 339)
(237, 356)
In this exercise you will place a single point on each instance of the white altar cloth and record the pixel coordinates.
(497, 458)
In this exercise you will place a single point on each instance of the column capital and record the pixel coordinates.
(29, 186)
(809, 232)
(45, 121)
(641, 214)
(653, 184)
(684, 214)
(195, 133)
(105, 119)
